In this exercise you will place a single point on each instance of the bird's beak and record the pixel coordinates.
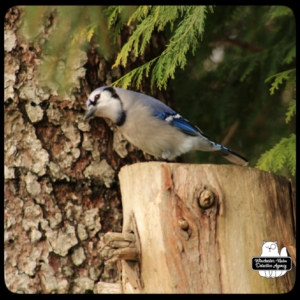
(90, 112)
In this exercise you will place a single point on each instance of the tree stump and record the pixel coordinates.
(197, 227)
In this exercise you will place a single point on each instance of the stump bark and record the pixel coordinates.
(197, 227)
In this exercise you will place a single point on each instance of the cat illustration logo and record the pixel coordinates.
(271, 264)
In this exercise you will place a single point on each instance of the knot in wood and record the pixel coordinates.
(206, 199)
(183, 224)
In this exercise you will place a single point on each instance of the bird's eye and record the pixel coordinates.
(97, 97)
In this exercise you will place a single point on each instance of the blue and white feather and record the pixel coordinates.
(151, 125)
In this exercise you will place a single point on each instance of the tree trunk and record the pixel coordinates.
(61, 185)
(197, 227)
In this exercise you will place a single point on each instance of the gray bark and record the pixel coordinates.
(61, 185)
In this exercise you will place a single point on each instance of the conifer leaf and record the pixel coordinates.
(283, 153)
(112, 13)
(90, 33)
(279, 79)
(136, 75)
(251, 65)
(185, 38)
(291, 110)
(279, 11)
(290, 56)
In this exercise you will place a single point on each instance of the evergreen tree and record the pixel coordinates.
(227, 57)
(223, 87)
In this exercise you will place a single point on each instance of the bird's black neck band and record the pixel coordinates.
(122, 118)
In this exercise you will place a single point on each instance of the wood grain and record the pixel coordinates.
(186, 249)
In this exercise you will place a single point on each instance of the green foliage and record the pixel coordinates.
(291, 110)
(279, 11)
(135, 75)
(74, 29)
(225, 94)
(290, 56)
(116, 17)
(256, 42)
(251, 63)
(284, 153)
(251, 55)
(185, 37)
(112, 14)
(289, 76)
(86, 32)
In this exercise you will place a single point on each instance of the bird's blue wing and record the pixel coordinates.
(176, 120)
(164, 112)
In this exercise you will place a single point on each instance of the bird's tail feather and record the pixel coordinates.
(231, 155)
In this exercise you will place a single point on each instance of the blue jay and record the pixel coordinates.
(151, 125)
